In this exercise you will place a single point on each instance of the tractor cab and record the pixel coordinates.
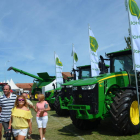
(122, 61)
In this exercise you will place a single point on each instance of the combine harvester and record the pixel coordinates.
(38, 82)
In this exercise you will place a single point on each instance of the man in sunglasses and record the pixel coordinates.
(7, 102)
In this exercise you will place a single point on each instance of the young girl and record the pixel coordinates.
(20, 118)
(42, 117)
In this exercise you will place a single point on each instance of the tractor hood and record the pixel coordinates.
(100, 78)
(71, 82)
(53, 90)
(59, 88)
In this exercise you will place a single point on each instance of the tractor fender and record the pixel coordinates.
(112, 88)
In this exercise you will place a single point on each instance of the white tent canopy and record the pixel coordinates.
(48, 87)
(14, 87)
(8, 82)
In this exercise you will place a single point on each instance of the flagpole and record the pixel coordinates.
(133, 57)
(89, 48)
(72, 54)
(55, 69)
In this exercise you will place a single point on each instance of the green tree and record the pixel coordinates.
(128, 41)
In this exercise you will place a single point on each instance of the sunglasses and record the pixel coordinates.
(20, 99)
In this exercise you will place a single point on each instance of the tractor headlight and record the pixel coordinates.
(74, 88)
(62, 86)
(69, 86)
(89, 87)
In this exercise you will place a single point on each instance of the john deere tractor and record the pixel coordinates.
(64, 97)
(108, 95)
(51, 95)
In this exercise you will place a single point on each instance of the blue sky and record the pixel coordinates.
(31, 30)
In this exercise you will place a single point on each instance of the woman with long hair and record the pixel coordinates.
(20, 119)
(42, 117)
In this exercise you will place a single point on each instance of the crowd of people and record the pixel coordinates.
(16, 117)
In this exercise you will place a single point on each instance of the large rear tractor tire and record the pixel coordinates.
(125, 112)
(83, 124)
(59, 111)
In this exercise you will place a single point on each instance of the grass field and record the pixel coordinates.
(61, 128)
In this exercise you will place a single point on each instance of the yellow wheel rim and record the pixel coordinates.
(134, 113)
(36, 95)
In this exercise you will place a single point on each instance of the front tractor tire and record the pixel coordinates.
(125, 112)
(59, 111)
(83, 124)
(35, 96)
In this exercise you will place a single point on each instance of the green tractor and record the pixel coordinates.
(38, 82)
(64, 97)
(108, 95)
(51, 95)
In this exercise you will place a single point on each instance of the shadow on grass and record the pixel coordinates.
(70, 130)
(35, 136)
(104, 128)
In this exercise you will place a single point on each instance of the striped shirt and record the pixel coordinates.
(7, 104)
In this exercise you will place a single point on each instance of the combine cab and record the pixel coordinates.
(108, 95)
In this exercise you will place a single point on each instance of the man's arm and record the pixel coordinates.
(30, 104)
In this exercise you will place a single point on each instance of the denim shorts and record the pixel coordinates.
(22, 132)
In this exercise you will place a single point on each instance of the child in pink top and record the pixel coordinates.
(40, 107)
(42, 117)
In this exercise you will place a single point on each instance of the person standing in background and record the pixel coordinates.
(7, 102)
(42, 116)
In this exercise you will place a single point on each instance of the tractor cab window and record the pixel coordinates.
(122, 63)
(85, 73)
(1, 90)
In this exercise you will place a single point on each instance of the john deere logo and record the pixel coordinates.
(93, 44)
(80, 96)
(134, 9)
(75, 57)
(58, 62)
